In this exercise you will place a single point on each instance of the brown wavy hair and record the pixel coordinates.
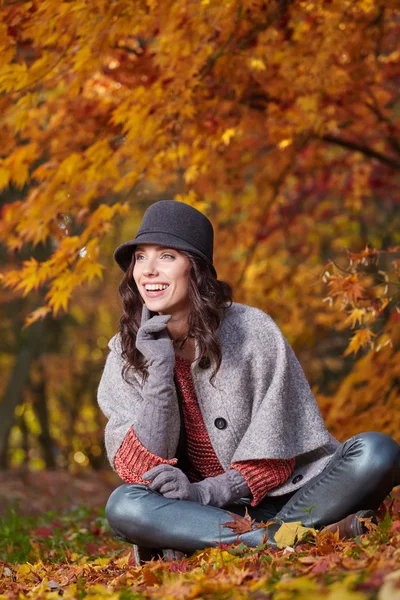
(208, 299)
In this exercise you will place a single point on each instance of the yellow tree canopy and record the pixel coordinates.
(297, 101)
(278, 119)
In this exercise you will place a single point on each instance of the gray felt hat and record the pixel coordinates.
(175, 225)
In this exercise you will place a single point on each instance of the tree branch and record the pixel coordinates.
(370, 152)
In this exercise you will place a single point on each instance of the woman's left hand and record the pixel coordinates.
(171, 482)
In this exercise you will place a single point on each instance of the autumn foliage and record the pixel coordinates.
(280, 120)
(71, 554)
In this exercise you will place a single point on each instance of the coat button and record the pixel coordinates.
(220, 423)
(297, 479)
(204, 363)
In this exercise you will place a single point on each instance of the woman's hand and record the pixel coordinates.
(220, 490)
(153, 341)
(171, 482)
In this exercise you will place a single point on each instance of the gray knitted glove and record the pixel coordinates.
(171, 482)
(159, 391)
(221, 490)
(153, 341)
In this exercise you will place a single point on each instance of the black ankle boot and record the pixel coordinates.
(352, 526)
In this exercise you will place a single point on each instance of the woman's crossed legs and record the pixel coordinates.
(360, 475)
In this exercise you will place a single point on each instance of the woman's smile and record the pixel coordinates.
(155, 290)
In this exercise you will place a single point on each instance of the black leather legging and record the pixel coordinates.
(361, 473)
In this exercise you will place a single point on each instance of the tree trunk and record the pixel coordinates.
(41, 410)
(30, 347)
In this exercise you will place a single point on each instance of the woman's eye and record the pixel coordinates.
(139, 256)
(168, 256)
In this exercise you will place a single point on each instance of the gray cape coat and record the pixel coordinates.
(260, 391)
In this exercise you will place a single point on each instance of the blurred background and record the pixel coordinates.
(279, 120)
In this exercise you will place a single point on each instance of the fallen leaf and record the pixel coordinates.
(43, 532)
(326, 541)
(149, 577)
(123, 561)
(263, 525)
(290, 533)
(240, 524)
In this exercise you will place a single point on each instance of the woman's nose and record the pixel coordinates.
(150, 267)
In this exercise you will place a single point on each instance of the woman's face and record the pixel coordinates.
(162, 278)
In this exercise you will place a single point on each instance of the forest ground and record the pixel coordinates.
(55, 541)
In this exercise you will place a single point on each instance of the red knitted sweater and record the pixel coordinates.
(133, 459)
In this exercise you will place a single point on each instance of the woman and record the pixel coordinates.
(209, 411)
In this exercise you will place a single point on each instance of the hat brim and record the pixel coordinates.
(123, 254)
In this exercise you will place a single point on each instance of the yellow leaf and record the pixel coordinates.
(69, 166)
(61, 290)
(19, 161)
(74, 556)
(93, 270)
(297, 584)
(24, 569)
(123, 561)
(356, 316)
(361, 338)
(13, 77)
(284, 144)
(100, 563)
(28, 277)
(59, 300)
(4, 177)
(11, 279)
(343, 590)
(289, 533)
(257, 64)
(228, 135)
(191, 173)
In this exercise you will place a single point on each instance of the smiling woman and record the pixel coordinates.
(210, 412)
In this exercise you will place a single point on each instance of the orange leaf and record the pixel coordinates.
(35, 315)
(149, 577)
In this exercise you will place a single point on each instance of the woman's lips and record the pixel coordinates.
(154, 293)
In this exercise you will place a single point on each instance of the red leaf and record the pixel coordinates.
(56, 524)
(43, 532)
(91, 548)
(96, 531)
(240, 524)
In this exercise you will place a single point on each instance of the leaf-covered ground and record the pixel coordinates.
(54, 541)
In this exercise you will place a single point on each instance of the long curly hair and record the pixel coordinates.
(208, 299)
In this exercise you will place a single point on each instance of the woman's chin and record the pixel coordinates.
(158, 306)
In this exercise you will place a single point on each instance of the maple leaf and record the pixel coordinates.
(355, 316)
(353, 288)
(361, 338)
(240, 524)
(349, 286)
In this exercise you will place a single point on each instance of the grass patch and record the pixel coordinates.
(53, 536)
